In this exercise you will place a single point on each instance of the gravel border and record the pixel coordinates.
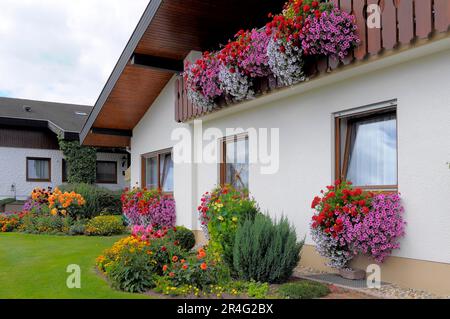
(390, 291)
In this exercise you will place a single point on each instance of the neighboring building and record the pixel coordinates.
(389, 109)
(29, 151)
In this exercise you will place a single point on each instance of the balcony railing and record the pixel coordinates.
(403, 22)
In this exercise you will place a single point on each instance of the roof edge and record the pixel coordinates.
(138, 32)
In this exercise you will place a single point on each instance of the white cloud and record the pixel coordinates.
(62, 51)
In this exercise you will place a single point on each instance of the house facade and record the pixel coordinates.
(382, 120)
(29, 150)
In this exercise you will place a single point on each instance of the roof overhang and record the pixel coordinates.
(166, 33)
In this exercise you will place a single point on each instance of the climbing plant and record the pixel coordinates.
(81, 162)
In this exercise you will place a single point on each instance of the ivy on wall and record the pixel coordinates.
(80, 160)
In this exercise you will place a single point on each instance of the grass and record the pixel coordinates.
(34, 267)
(303, 290)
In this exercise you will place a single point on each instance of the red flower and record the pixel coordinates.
(175, 259)
(165, 268)
(306, 8)
(171, 274)
(315, 4)
(315, 202)
(163, 248)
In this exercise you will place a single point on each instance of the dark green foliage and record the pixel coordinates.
(303, 290)
(46, 224)
(266, 251)
(185, 238)
(81, 162)
(99, 201)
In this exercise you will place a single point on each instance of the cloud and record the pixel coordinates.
(63, 51)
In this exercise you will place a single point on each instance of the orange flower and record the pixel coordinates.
(185, 266)
(175, 259)
(165, 268)
(171, 274)
(204, 266)
(182, 261)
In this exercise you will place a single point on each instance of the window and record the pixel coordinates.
(234, 167)
(366, 150)
(64, 171)
(157, 171)
(38, 169)
(106, 172)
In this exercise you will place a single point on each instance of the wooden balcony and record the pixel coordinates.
(404, 24)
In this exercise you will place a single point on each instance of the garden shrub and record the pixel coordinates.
(99, 200)
(128, 265)
(303, 290)
(185, 237)
(78, 227)
(266, 251)
(105, 226)
(45, 224)
(9, 222)
(133, 263)
(145, 207)
(221, 212)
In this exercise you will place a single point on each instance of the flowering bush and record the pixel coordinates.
(38, 202)
(378, 233)
(104, 226)
(331, 34)
(65, 204)
(202, 80)
(148, 207)
(199, 270)
(221, 211)
(9, 223)
(350, 221)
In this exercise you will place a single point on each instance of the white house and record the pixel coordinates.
(388, 109)
(29, 150)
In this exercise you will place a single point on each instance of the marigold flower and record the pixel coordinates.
(203, 266)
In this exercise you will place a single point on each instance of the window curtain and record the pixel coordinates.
(237, 163)
(373, 151)
(166, 172)
(151, 172)
(38, 169)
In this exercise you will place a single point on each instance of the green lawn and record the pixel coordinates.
(34, 266)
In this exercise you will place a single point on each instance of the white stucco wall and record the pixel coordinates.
(13, 170)
(421, 88)
(153, 133)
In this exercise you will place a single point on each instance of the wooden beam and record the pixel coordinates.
(109, 131)
(154, 62)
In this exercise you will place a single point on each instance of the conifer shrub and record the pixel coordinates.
(266, 250)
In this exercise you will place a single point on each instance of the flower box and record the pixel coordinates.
(352, 274)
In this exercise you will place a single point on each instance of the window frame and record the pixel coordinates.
(115, 173)
(341, 161)
(47, 159)
(223, 155)
(64, 171)
(158, 155)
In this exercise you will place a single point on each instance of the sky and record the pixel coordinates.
(62, 50)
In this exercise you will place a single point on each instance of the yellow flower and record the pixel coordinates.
(54, 212)
(234, 219)
(220, 218)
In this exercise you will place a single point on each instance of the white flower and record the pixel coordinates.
(235, 84)
(287, 66)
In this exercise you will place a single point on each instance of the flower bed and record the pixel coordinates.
(305, 31)
(351, 221)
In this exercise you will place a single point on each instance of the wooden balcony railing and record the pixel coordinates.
(403, 22)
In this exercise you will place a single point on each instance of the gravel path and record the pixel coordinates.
(391, 291)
